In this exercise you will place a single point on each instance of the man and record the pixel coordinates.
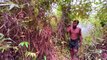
(75, 37)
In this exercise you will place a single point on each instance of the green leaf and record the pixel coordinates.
(24, 43)
(21, 44)
(44, 57)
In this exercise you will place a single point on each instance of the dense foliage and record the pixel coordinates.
(36, 29)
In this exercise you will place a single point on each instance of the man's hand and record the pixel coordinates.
(80, 43)
(81, 38)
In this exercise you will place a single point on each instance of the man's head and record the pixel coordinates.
(75, 23)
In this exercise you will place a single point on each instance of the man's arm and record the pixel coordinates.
(68, 29)
(81, 36)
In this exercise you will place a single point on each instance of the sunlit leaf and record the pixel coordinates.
(45, 57)
(30, 54)
(24, 43)
(4, 48)
(15, 48)
(10, 4)
(36, 11)
(1, 36)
